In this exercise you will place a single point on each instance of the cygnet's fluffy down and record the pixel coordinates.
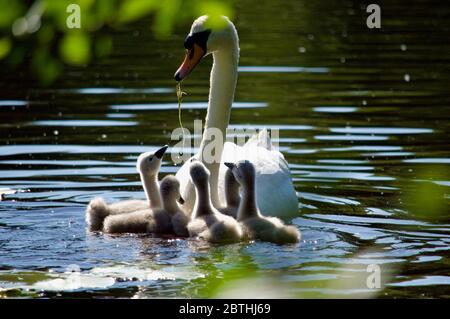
(207, 222)
(255, 225)
(148, 165)
(169, 219)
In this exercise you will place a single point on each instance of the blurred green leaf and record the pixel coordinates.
(46, 34)
(215, 10)
(78, 46)
(55, 12)
(429, 199)
(5, 47)
(103, 46)
(134, 9)
(46, 67)
(10, 11)
(165, 18)
(75, 48)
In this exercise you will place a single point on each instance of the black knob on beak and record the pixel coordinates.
(229, 165)
(160, 153)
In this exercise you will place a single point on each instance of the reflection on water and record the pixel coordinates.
(355, 129)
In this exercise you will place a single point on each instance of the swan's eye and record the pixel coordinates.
(150, 159)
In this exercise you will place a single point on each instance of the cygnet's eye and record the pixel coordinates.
(150, 158)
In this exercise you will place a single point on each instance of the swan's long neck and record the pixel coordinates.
(203, 205)
(151, 188)
(247, 206)
(221, 94)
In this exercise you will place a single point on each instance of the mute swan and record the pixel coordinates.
(232, 197)
(207, 222)
(166, 220)
(257, 226)
(276, 193)
(148, 165)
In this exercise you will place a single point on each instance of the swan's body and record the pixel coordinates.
(275, 190)
(169, 219)
(232, 198)
(148, 165)
(207, 222)
(256, 226)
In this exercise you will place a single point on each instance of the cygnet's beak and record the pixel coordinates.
(181, 200)
(230, 165)
(160, 153)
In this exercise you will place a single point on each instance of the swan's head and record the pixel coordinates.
(205, 38)
(170, 190)
(243, 171)
(148, 163)
(199, 173)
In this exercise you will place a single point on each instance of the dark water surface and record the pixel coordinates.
(362, 115)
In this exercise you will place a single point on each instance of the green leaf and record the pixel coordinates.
(103, 46)
(134, 9)
(9, 12)
(75, 48)
(428, 199)
(45, 66)
(215, 10)
(5, 47)
(165, 18)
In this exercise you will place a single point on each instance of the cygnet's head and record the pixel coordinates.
(148, 163)
(170, 190)
(243, 171)
(207, 35)
(199, 173)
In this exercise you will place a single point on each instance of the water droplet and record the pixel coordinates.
(403, 47)
(364, 102)
(407, 77)
(302, 49)
(55, 132)
(104, 135)
(343, 60)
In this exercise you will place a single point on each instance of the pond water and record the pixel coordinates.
(364, 119)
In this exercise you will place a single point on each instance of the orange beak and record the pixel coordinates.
(191, 59)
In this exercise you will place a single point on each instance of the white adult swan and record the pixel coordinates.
(275, 192)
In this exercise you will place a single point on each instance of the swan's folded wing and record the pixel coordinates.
(276, 195)
(262, 139)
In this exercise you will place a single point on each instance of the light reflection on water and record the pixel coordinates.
(355, 134)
